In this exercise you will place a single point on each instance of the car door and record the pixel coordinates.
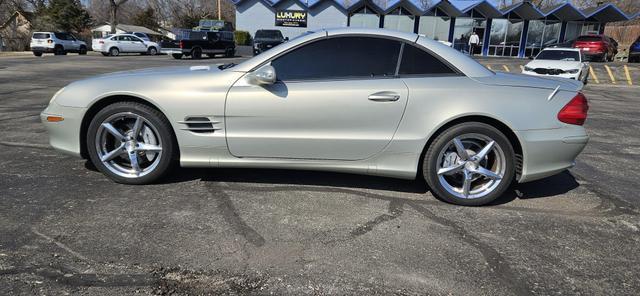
(336, 98)
(137, 45)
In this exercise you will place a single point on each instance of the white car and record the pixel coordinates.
(113, 45)
(559, 62)
(58, 43)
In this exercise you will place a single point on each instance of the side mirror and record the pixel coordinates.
(286, 38)
(263, 76)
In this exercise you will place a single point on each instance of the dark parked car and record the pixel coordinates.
(197, 43)
(634, 51)
(597, 47)
(266, 39)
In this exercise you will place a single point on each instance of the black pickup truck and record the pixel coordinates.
(197, 43)
(267, 39)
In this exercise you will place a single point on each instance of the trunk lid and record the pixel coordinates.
(521, 80)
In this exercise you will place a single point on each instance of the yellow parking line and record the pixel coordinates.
(626, 72)
(593, 74)
(506, 68)
(522, 68)
(489, 67)
(613, 79)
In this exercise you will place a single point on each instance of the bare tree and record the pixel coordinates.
(115, 4)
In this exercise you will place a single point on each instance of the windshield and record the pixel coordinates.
(589, 38)
(559, 55)
(40, 36)
(269, 34)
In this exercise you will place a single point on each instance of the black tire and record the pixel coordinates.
(82, 50)
(230, 52)
(430, 165)
(114, 51)
(196, 53)
(152, 51)
(37, 53)
(58, 50)
(155, 117)
(177, 56)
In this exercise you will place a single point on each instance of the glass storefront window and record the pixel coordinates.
(434, 27)
(573, 31)
(540, 35)
(593, 28)
(364, 18)
(463, 29)
(551, 33)
(399, 20)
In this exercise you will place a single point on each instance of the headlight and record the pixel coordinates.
(572, 71)
(529, 69)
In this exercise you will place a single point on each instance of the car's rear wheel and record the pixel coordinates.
(37, 53)
(114, 52)
(196, 53)
(131, 143)
(229, 52)
(469, 164)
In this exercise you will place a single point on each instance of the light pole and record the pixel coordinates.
(219, 11)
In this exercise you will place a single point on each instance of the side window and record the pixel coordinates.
(416, 61)
(135, 39)
(340, 57)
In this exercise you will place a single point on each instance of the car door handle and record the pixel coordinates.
(384, 96)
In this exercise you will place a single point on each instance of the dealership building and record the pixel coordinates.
(519, 30)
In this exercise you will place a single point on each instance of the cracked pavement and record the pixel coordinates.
(66, 229)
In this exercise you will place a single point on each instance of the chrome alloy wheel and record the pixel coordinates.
(471, 166)
(128, 145)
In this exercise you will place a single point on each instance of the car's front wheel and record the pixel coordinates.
(131, 143)
(469, 164)
(152, 51)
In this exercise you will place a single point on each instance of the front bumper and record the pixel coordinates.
(550, 151)
(64, 135)
(563, 75)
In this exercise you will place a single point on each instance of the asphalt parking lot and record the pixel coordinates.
(66, 229)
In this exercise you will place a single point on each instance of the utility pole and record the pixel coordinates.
(219, 10)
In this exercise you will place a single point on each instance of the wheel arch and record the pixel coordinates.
(501, 126)
(96, 106)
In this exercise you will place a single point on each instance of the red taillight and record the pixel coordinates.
(181, 44)
(575, 112)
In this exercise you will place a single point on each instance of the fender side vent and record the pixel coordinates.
(518, 166)
(200, 125)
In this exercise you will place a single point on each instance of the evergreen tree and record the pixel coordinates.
(146, 18)
(64, 15)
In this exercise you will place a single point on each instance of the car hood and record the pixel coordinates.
(146, 83)
(553, 64)
(522, 80)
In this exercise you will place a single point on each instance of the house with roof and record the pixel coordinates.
(15, 33)
(104, 30)
(519, 30)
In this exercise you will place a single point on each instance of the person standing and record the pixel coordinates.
(474, 41)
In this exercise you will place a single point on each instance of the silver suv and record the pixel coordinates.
(58, 43)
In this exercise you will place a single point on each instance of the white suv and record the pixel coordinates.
(58, 43)
(113, 45)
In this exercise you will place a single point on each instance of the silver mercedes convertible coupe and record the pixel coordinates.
(363, 101)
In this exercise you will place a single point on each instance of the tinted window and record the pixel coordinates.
(418, 61)
(589, 38)
(40, 36)
(340, 57)
(269, 34)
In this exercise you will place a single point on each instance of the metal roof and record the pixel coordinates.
(523, 10)
(483, 8)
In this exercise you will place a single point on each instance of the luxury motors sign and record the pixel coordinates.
(291, 18)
